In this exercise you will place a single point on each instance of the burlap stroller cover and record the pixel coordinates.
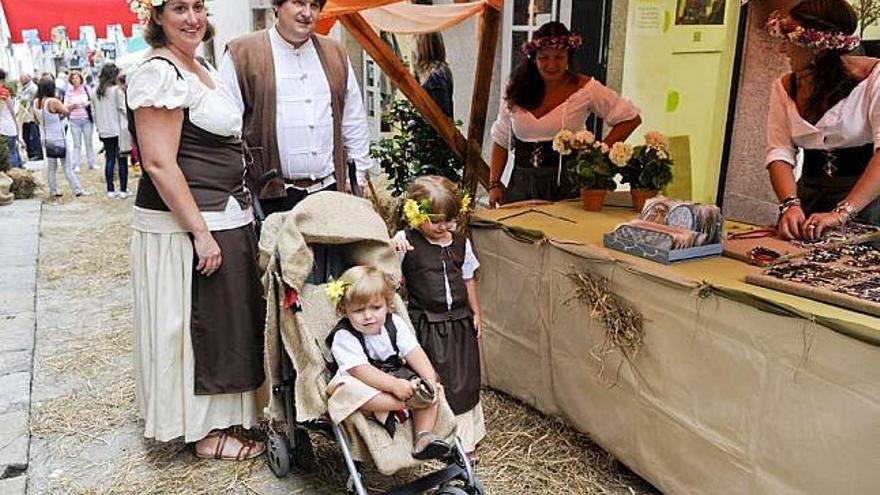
(286, 260)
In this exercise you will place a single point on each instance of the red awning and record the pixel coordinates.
(46, 14)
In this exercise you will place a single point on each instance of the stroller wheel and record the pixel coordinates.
(450, 490)
(278, 454)
(461, 487)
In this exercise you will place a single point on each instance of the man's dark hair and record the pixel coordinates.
(278, 3)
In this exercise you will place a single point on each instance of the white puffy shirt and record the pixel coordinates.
(592, 98)
(348, 353)
(304, 118)
(853, 121)
(154, 83)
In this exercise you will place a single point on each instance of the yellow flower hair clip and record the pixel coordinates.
(416, 213)
(336, 290)
(465, 203)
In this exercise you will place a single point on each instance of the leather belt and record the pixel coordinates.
(304, 183)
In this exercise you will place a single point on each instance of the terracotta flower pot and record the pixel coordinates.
(639, 196)
(593, 198)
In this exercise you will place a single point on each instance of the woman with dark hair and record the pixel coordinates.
(198, 311)
(432, 70)
(545, 95)
(50, 114)
(826, 106)
(109, 112)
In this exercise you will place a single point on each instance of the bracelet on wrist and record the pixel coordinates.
(788, 203)
(494, 184)
(846, 209)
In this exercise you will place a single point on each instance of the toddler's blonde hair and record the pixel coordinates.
(362, 284)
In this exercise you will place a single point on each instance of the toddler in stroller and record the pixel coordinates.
(300, 318)
(387, 366)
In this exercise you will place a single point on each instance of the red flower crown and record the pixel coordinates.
(567, 42)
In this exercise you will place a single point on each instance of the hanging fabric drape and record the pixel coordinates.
(399, 17)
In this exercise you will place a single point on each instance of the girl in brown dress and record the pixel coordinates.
(438, 267)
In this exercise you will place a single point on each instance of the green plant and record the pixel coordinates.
(650, 166)
(868, 12)
(414, 149)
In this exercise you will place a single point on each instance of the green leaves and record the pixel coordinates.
(414, 149)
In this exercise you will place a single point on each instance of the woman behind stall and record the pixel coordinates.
(78, 100)
(543, 96)
(432, 70)
(108, 102)
(198, 311)
(826, 107)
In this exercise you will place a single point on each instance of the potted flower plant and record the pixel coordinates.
(593, 164)
(649, 170)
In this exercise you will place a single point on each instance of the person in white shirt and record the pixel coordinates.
(8, 126)
(30, 131)
(302, 108)
(543, 96)
(826, 107)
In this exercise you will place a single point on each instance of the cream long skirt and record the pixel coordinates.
(163, 354)
(471, 427)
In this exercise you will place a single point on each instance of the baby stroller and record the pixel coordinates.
(300, 250)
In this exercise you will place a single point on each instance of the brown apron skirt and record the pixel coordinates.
(228, 315)
(450, 341)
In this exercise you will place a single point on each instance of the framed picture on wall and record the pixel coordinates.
(700, 12)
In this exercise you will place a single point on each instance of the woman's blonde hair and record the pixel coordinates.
(430, 54)
(155, 36)
(362, 284)
(441, 193)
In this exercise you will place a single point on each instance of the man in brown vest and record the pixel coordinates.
(302, 108)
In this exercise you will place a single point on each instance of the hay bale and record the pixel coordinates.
(6, 197)
(23, 183)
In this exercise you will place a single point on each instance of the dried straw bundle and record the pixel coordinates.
(623, 324)
(23, 183)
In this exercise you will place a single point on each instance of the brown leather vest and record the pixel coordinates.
(423, 266)
(255, 68)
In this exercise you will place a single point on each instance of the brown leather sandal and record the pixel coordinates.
(248, 450)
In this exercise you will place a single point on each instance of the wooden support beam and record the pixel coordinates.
(475, 167)
(400, 75)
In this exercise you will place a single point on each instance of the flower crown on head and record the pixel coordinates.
(568, 42)
(782, 26)
(417, 213)
(143, 8)
(336, 290)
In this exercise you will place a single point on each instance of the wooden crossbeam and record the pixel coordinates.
(475, 169)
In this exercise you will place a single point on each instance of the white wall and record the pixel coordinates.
(231, 18)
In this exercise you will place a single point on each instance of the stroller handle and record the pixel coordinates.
(255, 197)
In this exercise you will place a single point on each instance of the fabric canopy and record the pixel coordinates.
(43, 15)
(399, 17)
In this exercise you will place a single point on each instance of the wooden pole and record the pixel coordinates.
(475, 169)
(400, 75)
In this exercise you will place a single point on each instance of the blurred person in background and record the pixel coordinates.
(78, 101)
(30, 131)
(108, 108)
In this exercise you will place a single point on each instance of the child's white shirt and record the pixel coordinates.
(468, 268)
(348, 353)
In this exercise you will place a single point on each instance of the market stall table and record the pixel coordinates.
(737, 388)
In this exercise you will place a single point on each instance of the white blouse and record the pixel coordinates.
(592, 98)
(348, 353)
(853, 121)
(155, 83)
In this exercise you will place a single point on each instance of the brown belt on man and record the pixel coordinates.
(304, 183)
